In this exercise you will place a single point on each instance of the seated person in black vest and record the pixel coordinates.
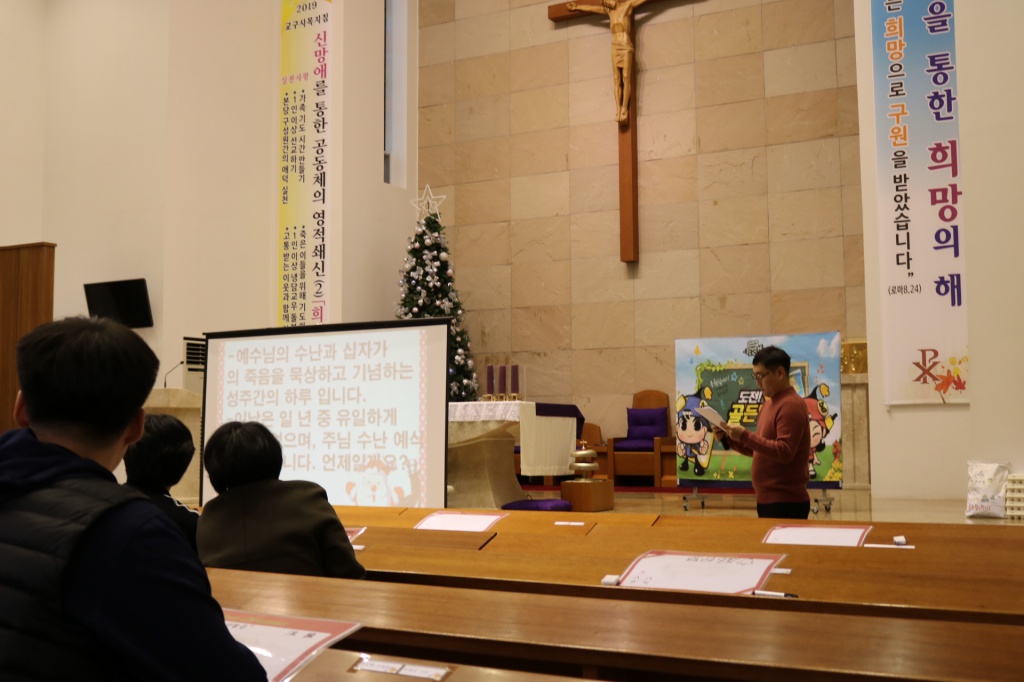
(260, 523)
(96, 583)
(157, 462)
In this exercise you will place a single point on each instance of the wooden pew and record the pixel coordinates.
(951, 574)
(385, 537)
(545, 521)
(635, 640)
(334, 665)
(370, 516)
(515, 520)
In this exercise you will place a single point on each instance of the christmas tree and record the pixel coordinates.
(428, 290)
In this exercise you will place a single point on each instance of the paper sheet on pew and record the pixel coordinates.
(446, 520)
(834, 536)
(353, 533)
(283, 644)
(722, 573)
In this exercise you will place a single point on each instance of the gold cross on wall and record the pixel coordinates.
(620, 22)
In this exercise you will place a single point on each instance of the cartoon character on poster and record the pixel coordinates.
(821, 423)
(693, 433)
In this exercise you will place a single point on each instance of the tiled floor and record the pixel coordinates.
(846, 505)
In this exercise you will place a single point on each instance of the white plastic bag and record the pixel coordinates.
(986, 489)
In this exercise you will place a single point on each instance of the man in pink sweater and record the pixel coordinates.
(780, 444)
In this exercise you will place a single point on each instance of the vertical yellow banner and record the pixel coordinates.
(303, 210)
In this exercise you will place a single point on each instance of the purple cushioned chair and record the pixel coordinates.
(648, 434)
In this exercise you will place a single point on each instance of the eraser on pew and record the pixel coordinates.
(610, 580)
(899, 540)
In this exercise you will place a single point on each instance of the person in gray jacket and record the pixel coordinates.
(258, 522)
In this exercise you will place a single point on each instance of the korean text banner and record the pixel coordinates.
(717, 373)
(303, 210)
(921, 230)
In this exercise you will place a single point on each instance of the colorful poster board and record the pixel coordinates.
(921, 227)
(716, 373)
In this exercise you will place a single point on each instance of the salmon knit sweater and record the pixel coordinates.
(779, 446)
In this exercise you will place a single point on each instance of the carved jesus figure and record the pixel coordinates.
(620, 21)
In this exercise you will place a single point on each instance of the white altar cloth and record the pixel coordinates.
(546, 443)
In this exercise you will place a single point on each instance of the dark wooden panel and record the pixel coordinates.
(26, 301)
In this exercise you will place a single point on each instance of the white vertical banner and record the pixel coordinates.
(920, 223)
(303, 209)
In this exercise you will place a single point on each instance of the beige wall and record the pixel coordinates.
(141, 140)
(22, 31)
(375, 219)
(750, 218)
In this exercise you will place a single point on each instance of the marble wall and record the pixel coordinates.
(750, 219)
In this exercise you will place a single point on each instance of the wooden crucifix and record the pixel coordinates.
(620, 21)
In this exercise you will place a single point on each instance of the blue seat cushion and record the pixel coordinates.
(634, 444)
(539, 505)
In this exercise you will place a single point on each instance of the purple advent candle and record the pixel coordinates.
(515, 378)
(501, 379)
(490, 379)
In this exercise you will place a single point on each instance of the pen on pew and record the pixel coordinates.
(898, 542)
(767, 593)
(866, 544)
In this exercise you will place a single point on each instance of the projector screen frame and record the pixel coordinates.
(434, 490)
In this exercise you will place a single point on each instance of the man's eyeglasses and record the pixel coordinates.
(758, 376)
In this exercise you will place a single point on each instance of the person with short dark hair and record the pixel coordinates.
(260, 523)
(157, 462)
(780, 443)
(96, 583)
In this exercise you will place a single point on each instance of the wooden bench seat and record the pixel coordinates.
(952, 573)
(386, 538)
(635, 640)
(333, 665)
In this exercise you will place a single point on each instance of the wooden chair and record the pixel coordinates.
(640, 452)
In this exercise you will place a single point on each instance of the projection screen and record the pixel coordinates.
(360, 409)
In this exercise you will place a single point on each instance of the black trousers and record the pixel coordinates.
(784, 510)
